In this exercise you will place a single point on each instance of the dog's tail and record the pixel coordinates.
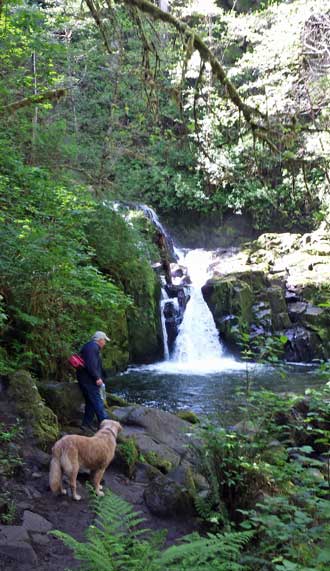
(55, 471)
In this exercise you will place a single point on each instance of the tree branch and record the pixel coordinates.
(253, 116)
(205, 53)
(33, 100)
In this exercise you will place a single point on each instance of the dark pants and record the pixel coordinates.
(93, 404)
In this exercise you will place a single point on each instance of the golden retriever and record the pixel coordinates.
(92, 452)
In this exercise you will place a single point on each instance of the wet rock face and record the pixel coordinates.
(302, 344)
(174, 308)
(278, 285)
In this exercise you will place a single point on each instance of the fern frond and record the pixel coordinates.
(112, 543)
(211, 553)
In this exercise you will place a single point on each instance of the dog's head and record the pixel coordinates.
(112, 424)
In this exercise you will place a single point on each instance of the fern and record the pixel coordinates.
(215, 552)
(112, 542)
(117, 542)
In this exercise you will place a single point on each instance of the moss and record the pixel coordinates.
(158, 462)
(115, 356)
(114, 401)
(231, 303)
(43, 421)
(279, 314)
(189, 416)
(127, 454)
(144, 321)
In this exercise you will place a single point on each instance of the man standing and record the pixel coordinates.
(90, 379)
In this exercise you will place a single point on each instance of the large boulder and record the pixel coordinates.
(286, 292)
(160, 426)
(65, 399)
(163, 441)
(166, 498)
(29, 404)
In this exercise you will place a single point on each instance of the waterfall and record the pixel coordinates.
(191, 340)
(125, 208)
(198, 338)
(151, 214)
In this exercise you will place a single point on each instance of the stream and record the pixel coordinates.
(213, 393)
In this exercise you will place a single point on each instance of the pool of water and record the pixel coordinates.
(167, 386)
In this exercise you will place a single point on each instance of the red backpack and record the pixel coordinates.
(76, 361)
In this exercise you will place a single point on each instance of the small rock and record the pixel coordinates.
(41, 458)
(35, 522)
(13, 533)
(14, 543)
(315, 474)
(24, 505)
(40, 538)
(21, 552)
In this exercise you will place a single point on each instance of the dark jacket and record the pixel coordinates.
(93, 370)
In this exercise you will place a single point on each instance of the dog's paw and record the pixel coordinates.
(100, 487)
(64, 492)
(77, 498)
(100, 493)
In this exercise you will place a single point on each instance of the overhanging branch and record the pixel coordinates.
(33, 100)
(256, 120)
(205, 53)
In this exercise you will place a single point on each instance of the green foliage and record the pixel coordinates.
(8, 509)
(10, 459)
(233, 464)
(167, 136)
(49, 279)
(29, 404)
(288, 492)
(127, 454)
(116, 541)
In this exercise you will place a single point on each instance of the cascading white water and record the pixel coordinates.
(198, 338)
(197, 350)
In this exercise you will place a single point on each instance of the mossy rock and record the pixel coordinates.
(64, 399)
(189, 416)
(230, 301)
(166, 498)
(158, 462)
(127, 455)
(115, 356)
(29, 404)
(144, 325)
(114, 401)
(230, 296)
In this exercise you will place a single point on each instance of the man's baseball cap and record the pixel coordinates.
(100, 335)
